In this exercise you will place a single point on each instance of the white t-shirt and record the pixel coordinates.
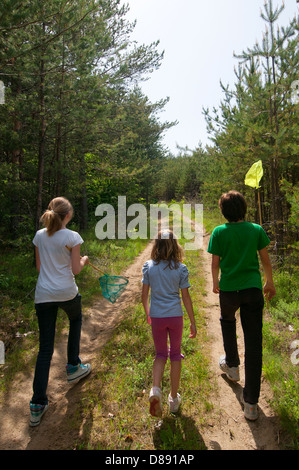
(56, 282)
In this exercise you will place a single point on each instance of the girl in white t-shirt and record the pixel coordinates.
(56, 287)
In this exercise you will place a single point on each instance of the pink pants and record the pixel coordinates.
(161, 329)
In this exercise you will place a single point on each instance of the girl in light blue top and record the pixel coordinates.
(166, 275)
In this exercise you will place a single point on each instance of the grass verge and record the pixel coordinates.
(281, 352)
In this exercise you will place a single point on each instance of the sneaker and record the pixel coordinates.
(76, 373)
(250, 410)
(232, 373)
(36, 413)
(155, 402)
(174, 403)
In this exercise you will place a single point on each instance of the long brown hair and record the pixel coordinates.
(54, 215)
(167, 248)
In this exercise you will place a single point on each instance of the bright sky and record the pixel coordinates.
(199, 38)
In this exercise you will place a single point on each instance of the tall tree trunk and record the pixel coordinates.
(83, 199)
(42, 136)
(58, 147)
(16, 164)
(275, 172)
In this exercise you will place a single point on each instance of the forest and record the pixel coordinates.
(76, 122)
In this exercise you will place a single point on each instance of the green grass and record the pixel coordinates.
(281, 330)
(282, 372)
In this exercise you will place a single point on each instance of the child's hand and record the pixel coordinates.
(269, 290)
(85, 260)
(193, 331)
(216, 288)
(148, 319)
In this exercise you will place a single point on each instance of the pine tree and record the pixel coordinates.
(69, 68)
(276, 53)
(257, 120)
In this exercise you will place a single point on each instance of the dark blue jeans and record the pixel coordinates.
(47, 315)
(251, 304)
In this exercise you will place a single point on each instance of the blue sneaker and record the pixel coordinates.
(76, 373)
(36, 413)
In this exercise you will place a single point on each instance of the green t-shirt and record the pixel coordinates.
(237, 245)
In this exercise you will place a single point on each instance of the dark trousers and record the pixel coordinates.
(251, 303)
(47, 315)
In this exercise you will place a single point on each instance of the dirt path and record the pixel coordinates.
(227, 428)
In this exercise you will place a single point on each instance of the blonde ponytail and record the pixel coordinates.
(52, 219)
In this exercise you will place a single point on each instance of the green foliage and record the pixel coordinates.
(74, 122)
(283, 377)
(281, 328)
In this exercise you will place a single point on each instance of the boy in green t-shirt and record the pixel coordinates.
(234, 247)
